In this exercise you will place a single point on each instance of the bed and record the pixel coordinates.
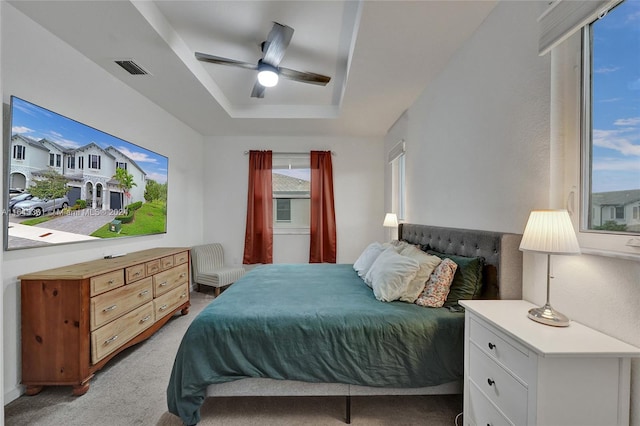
(318, 330)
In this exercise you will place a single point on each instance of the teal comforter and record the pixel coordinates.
(313, 323)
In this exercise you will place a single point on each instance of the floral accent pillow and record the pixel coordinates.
(437, 288)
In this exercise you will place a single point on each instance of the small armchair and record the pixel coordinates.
(208, 265)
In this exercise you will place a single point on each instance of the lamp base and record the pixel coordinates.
(548, 316)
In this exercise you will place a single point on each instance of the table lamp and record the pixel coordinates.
(550, 232)
(390, 221)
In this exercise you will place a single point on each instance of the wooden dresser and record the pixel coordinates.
(76, 318)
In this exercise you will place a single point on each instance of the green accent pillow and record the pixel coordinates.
(467, 282)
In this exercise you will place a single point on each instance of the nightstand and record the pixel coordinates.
(520, 372)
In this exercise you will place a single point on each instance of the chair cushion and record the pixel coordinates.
(219, 277)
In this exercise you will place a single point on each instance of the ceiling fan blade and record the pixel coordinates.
(304, 77)
(224, 61)
(277, 41)
(258, 90)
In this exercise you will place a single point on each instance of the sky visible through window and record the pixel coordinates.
(616, 99)
(32, 121)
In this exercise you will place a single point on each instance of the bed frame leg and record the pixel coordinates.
(348, 410)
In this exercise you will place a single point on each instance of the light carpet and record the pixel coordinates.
(130, 390)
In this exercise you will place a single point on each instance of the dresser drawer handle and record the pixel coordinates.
(183, 295)
(162, 308)
(110, 308)
(110, 339)
(111, 281)
(182, 275)
(491, 382)
(145, 319)
(163, 284)
(136, 274)
(143, 292)
(491, 346)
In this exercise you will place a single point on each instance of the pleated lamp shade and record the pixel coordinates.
(551, 232)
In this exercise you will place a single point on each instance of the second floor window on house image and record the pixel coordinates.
(19, 152)
(94, 162)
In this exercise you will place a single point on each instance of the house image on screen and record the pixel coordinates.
(90, 170)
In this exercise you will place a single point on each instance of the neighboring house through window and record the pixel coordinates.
(291, 188)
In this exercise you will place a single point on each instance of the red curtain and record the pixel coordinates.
(258, 240)
(323, 218)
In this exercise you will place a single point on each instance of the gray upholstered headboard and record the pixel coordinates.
(502, 274)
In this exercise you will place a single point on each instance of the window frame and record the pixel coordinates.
(608, 243)
(281, 227)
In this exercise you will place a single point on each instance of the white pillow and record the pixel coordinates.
(391, 274)
(366, 259)
(427, 264)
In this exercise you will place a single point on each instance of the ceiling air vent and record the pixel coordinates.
(131, 67)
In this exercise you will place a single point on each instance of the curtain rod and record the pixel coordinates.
(291, 153)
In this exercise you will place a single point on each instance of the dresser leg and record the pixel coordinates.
(33, 390)
(81, 389)
(185, 311)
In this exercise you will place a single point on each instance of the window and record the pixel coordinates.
(120, 165)
(94, 161)
(52, 159)
(397, 161)
(81, 162)
(71, 162)
(19, 152)
(283, 210)
(611, 123)
(291, 185)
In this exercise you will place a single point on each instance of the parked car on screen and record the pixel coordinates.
(38, 207)
(22, 197)
(15, 191)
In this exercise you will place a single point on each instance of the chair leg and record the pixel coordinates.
(216, 291)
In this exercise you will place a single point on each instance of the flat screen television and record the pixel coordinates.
(68, 182)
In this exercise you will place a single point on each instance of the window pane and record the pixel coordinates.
(612, 184)
(291, 186)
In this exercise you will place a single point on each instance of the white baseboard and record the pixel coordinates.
(13, 394)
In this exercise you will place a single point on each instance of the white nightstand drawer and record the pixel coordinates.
(509, 395)
(504, 350)
(482, 411)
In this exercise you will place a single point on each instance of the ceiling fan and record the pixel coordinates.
(268, 66)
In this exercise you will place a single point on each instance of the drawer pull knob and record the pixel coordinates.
(110, 339)
(110, 308)
(143, 292)
(110, 282)
(491, 345)
(163, 284)
(183, 295)
(145, 319)
(162, 308)
(491, 382)
(182, 275)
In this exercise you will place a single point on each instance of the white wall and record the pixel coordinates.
(358, 180)
(41, 68)
(479, 156)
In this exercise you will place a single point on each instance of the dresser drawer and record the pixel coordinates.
(167, 262)
(107, 339)
(109, 306)
(153, 267)
(166, 303)
(170, 279)
(135, 272)
(509, 395)
(101, 283)
(180, 258)
(504, 350)
(482, 411)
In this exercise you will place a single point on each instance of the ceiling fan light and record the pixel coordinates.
(267, 75)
